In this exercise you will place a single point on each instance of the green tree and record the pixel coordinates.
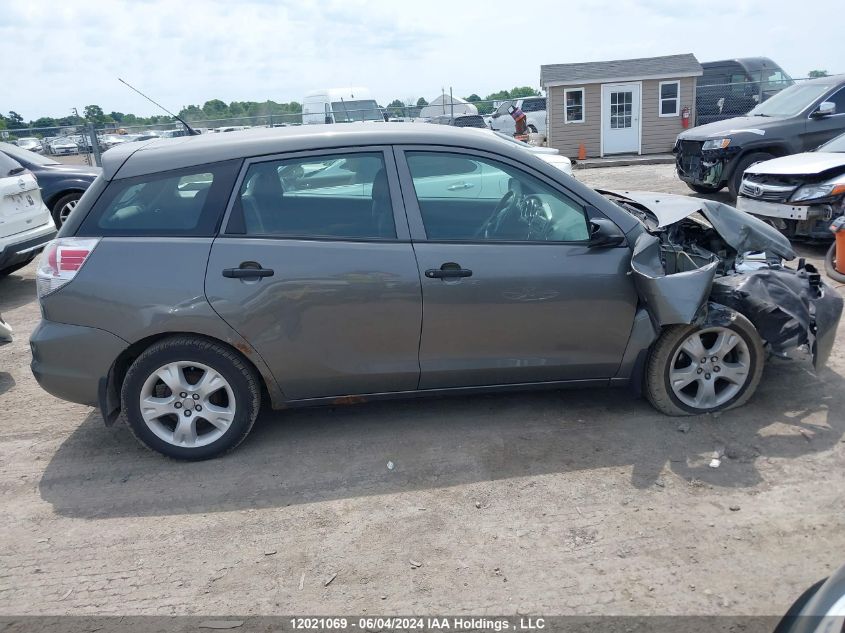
(14, 121)
(117, 116)
(93, 112)
(396, 108)
(524, 91)
(817, 73)
(215, 109)
(44, 121)
(421, 102)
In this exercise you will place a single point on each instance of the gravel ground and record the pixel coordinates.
(570, 502)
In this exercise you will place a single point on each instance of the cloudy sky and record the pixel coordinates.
(55, 56)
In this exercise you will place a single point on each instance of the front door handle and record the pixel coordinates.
(448, 271)
(461, 185)
(248, 270)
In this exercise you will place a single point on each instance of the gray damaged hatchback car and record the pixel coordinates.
(200, 277)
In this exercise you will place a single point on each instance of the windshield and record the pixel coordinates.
(25, 156)
(790, 101)
(836, 144)
(364, 110)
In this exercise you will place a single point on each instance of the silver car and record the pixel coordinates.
(199, 278)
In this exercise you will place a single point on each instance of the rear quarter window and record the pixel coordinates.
(181, 203)
(9, 166)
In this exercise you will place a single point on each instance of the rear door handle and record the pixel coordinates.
(248, 273)
(452, 272)
(460, 185)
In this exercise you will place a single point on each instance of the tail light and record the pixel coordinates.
(61, 260)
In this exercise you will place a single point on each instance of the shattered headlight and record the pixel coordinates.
(716, 143)
(814, 192)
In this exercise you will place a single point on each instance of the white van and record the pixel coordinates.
(340, 105)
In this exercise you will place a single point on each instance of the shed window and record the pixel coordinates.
(670, 101)
(573, 111)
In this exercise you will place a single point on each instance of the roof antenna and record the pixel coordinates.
(191, 131)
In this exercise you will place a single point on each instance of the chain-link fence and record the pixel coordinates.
(719, 101)
(85, 143)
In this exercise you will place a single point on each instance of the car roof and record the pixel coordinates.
(145, 157)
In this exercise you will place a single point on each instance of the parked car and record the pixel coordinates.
(62, 147)
(382, 283)
(731, 87)
(339, 105)
(797, 119)
(535, 113)
(25, 223)
(61, 185)
(107, 141)
(820, 609)
(548, 154)
(799, 194)
(5, 332)
(30, 143)
(460, 120)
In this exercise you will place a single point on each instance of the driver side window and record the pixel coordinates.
(471, 198)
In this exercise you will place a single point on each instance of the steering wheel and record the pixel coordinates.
(505, 207)
(538, 215)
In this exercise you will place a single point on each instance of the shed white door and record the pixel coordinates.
(620, 118)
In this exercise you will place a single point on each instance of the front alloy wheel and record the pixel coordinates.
(190, 398)
(694, 369)
(710, 368)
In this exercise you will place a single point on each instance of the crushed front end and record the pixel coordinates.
(697, 257)
(702, 167)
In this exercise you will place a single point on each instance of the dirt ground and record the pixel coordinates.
(570, 502)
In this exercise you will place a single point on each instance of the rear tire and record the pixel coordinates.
(744, 163)
(64, 206)
(190, 398)
(678, 384)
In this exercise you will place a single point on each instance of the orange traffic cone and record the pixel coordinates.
(582, 152)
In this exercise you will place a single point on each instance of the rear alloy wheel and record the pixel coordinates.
(695, 370)
(63, 207)
(190, 398)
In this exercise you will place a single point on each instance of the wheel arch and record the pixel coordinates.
(775, 149)
(54, 197)
(111, 385)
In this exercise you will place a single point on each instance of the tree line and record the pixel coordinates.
(237, 112)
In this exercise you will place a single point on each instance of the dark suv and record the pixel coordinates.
(796, 119)
(203, 276)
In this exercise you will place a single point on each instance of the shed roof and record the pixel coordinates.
(685, 65)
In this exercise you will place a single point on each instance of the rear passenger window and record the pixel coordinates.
(187, 202)
(336, 196)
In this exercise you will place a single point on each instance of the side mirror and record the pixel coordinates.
(604, 233)
(826, 108)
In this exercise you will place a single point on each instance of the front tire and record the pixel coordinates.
(190, 398)
(744, 163)
(693, 370)
(702, 188)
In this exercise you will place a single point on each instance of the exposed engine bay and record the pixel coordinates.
(695, 257)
